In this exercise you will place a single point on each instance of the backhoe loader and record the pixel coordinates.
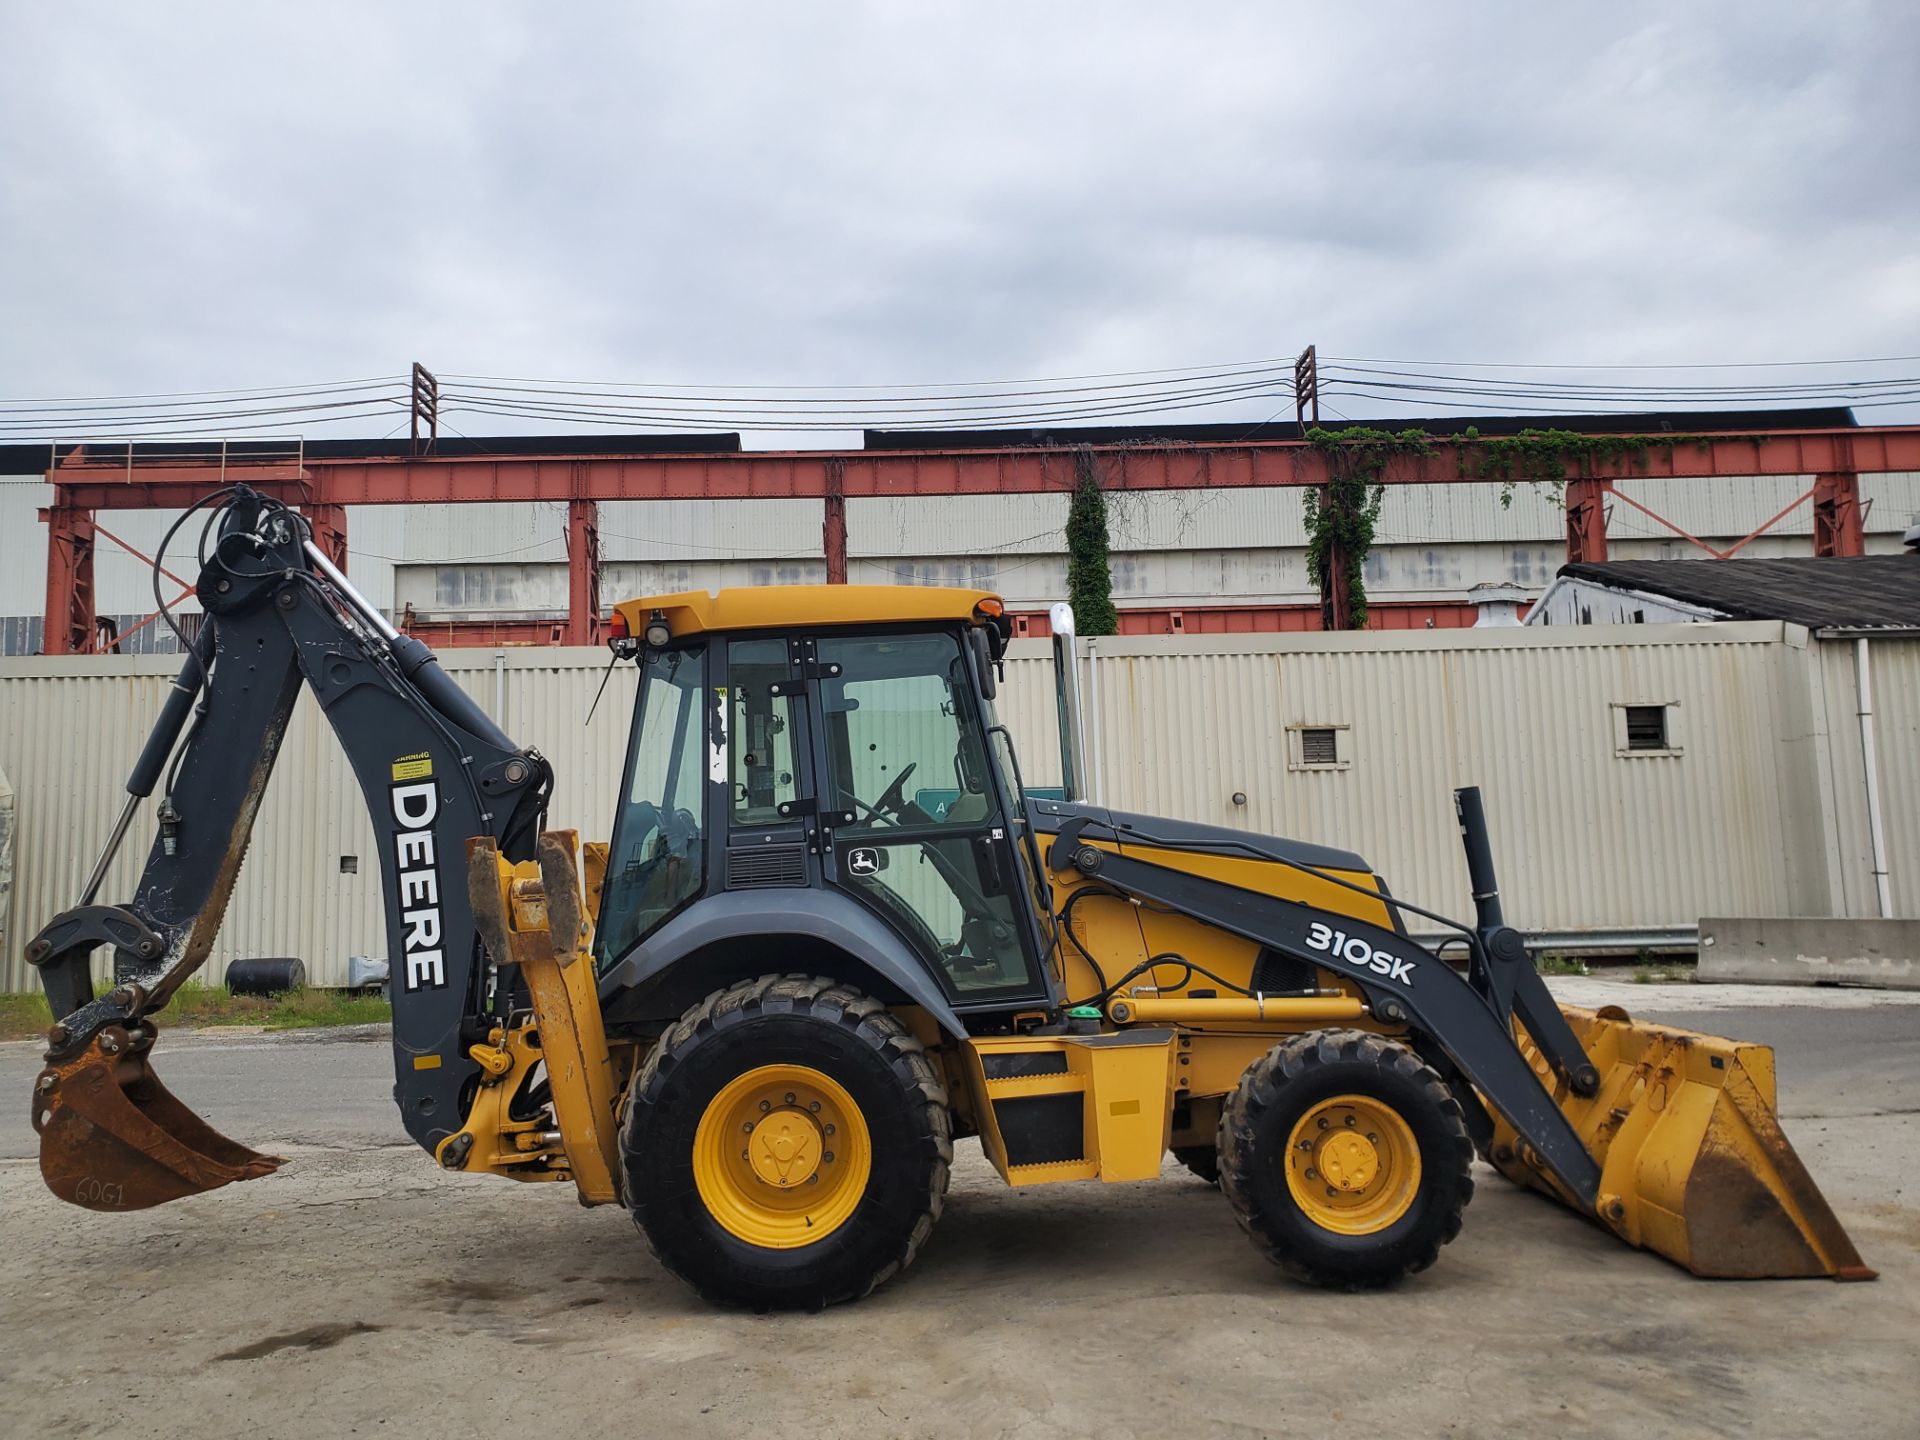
(832, 933)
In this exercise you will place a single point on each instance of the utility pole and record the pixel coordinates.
(424, 403)
(1306, 387)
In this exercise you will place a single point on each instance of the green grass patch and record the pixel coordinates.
(26, 1017)
(1663, 975)
(23, 1017)
(1549, 963)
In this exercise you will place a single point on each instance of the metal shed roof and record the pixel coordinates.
(1819, 592)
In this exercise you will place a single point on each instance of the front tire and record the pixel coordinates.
(786, 1145)
(1346, 1159)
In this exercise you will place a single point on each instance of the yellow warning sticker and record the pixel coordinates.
(413, 767)
(426, 1062)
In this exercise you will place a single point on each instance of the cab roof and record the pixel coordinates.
(804, 607)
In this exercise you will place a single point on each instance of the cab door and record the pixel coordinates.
(913, 823)
(767, 811)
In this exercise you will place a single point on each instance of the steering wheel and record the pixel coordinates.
(890, 803)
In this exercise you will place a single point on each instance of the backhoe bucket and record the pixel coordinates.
(1694, 1165)
(112, 1137)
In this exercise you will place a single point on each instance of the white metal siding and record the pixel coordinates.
(1895, 670)
(1586, 838)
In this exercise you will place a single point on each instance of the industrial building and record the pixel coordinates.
(1207, 523)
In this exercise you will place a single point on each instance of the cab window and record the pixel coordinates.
(762, 733)
(656, 860)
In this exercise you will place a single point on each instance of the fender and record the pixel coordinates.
(834, 919)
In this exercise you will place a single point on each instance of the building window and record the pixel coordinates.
(1318, 747)
(1645, 729)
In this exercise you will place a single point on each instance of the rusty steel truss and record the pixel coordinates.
(87, 480)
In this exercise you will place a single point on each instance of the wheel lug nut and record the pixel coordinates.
(1312, 1174)
(829, 1129)
(748, 1127)
(1372, 1137)
(1332, 1193)
(765, 1105)
(827, 1158)
(746, 1155)
(1349, 1120)
(813, 1179)
(789, 1097)
(1323, 1121)
(814, 1106)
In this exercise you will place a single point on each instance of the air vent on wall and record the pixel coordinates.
(1319, 745)
(1646, 727)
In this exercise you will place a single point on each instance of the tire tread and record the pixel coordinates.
(1260, 1090)
(857, 1014)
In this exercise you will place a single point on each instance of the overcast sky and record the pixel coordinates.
(197, 196)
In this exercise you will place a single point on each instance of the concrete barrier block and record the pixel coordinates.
(1810, 951)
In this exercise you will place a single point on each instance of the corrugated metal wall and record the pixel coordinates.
(1587, 837)
(1894, 667)
(1759, 813)
(70, 729)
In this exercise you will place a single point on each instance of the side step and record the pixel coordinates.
(1074, 1107)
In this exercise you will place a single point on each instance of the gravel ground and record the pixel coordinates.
(361, 1291)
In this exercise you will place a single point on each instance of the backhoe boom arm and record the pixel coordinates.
(433, 769)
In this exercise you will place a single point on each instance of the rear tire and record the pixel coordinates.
(833, 1079)
(1346, 1159)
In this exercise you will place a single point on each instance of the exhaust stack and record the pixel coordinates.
(1074, 773)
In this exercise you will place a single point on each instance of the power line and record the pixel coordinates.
(1495, 386)
(187, 394)
(1285, 362)
(950, 406)
(1698, 365)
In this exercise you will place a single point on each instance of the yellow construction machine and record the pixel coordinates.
(832, 933)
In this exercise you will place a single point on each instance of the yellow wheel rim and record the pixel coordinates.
(781, 1156)
(1353, 1165)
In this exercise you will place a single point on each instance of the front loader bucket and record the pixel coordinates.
(112, 1137)
(1694, 1165)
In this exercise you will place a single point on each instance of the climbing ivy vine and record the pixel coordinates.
(1341, 514)
(1542, 457)
(1089, 574)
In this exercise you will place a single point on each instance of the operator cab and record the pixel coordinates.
(835, 740)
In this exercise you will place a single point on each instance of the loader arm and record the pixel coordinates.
(1667, 1138)
(1404, 983)
(434, 771)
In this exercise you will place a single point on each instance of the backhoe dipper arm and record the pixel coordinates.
(434, 771)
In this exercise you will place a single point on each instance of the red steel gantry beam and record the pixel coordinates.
(866, 474)
(583, 572)
(69, 628)
(1836, 456)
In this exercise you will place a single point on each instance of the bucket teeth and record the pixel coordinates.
(112, 1137)
(1694, 1164)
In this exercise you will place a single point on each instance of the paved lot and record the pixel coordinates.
(361, 1291)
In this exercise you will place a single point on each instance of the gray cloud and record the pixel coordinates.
(204, 195)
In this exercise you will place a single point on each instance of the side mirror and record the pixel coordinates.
(983, 661)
